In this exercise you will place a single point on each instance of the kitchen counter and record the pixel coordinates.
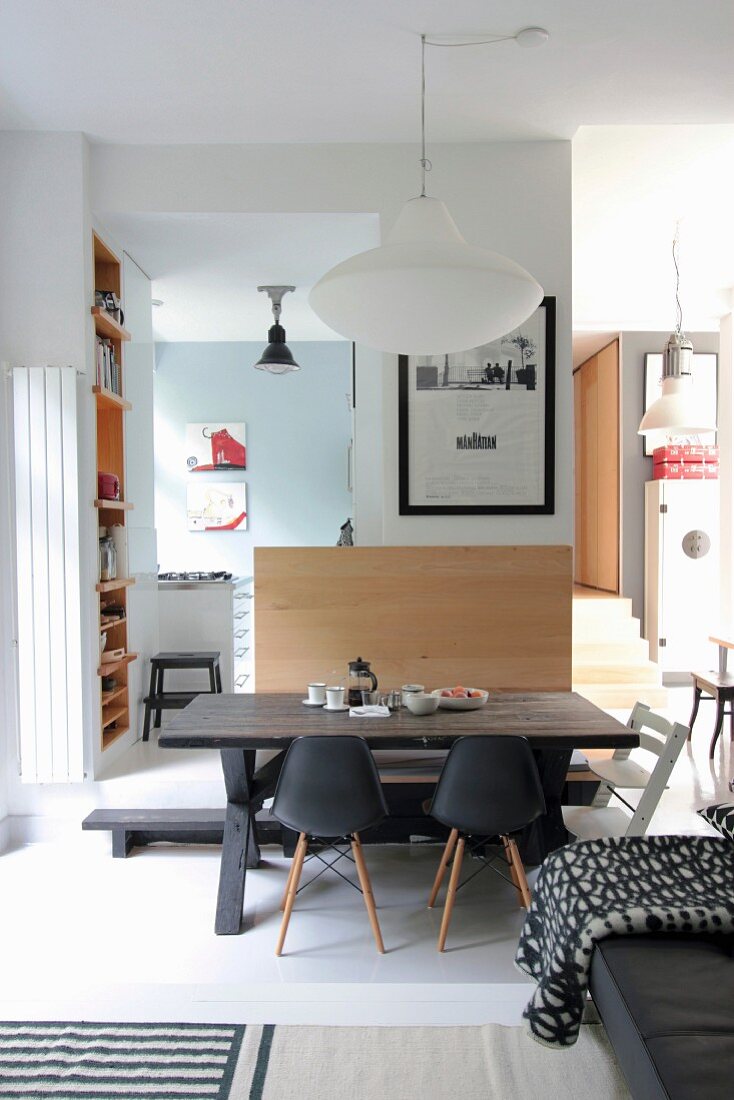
(235, 582)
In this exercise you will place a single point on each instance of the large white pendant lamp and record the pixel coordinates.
(679, 410)
(427, 290)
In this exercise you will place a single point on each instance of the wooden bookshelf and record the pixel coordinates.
(110, 622)
(111, 586)
(109, 736)
(110, 410)
(110, 696)
(106, 399)
(106, 325)
(114, 505)
(111, 666)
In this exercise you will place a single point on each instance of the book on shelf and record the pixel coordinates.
(108, 369)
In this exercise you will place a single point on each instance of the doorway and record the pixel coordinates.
(596, 476)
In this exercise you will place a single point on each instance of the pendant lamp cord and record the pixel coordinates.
(425, 163)
(678, 307)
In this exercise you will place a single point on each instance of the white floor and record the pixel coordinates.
(90, 937)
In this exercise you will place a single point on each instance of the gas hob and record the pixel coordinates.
(196, 577)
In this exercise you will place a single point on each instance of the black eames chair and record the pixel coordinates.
(329, 790)
(489, 787)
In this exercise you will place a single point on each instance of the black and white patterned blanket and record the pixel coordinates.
(621, 886)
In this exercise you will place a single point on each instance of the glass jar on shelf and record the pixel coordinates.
(107, 556)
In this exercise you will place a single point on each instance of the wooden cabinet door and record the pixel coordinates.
(607, 468)
(585, 382)
(596, 480)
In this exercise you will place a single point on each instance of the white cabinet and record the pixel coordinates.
(681, 572)
(206, 616)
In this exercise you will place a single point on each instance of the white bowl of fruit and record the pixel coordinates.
(461, 698)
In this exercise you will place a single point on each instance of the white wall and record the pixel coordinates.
(726, 454)
(298, 429)
(636, 468)
(512, 197)
(45, 276)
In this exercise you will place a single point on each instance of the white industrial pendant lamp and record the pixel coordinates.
(277, 357)
(679, 410)
(426, 290)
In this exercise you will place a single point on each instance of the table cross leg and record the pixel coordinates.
(239, 845)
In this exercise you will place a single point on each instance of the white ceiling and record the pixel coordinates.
(207, 267)
(181, 71)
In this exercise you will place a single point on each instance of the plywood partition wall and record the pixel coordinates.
(497, 617)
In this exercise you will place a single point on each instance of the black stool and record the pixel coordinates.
(159, 700)
(719, 687)
(489, 787)
(329, 790)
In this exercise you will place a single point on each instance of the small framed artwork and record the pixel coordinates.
(704, 376)
(477, 428)
(212, 506)
(217, 446)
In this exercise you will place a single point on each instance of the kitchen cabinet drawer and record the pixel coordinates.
(209, 616)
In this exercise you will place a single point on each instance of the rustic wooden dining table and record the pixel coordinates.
(237, 726)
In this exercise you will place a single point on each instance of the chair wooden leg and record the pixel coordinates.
(445, 860)
(513, 873)
(295, 877)
(287, 885)
(520, 872)
(451, 893)
(369, 900)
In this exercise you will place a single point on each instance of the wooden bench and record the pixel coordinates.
(138, 828)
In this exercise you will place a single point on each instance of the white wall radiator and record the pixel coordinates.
(47, 574)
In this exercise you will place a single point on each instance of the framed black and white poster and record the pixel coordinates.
(477, 428)
(704, 379)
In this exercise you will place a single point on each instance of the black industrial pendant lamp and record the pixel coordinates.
(277, 357)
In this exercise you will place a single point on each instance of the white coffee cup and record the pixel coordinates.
(411, 689)
(335, 697)
(317, 693)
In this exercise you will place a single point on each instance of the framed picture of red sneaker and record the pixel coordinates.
(477, 428)
(216, 446)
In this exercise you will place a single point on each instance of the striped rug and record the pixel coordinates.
(117, 1061)
(490, 1062)
(262, 1062)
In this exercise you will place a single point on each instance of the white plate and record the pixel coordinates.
(308, 703)
(460, 704)
(344, 706)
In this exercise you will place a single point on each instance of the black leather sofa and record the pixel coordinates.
(667, 1003)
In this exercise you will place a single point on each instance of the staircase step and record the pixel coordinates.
(591, 607)
(623, 696)
(612, 630)
(611, 662)
(611, 651)
(639, 672)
